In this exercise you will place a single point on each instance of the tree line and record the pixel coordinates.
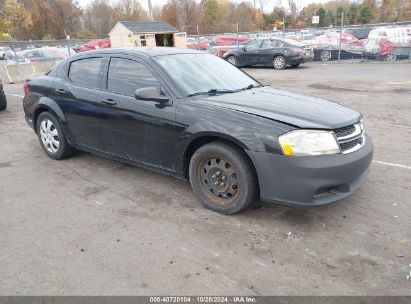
(55, 19)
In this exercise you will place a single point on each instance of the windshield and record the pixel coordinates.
(196, 73)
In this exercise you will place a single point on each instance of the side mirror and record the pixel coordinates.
(150, 94)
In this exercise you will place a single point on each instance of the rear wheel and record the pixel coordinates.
(223, 178)
(325, 55)
(52, 138)
(391, 57)
(279, 62)
(232, 60)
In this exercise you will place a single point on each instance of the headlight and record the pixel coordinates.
(309, 142)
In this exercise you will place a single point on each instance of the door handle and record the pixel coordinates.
(109, 102)
(60, 91)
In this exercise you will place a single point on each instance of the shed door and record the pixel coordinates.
(150, 40)
(180, 40)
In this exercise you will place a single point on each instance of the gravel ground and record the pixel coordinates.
(92, 226)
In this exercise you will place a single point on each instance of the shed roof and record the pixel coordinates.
(149, 27)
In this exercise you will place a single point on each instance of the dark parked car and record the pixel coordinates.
(3, 99)
(194, 116)
(275, 52)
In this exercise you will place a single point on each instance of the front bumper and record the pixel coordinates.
(311, 180)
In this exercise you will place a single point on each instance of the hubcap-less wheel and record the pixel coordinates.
(220, 179)
(325, 55)
(232, 60)
(279, 62)
(49, 136)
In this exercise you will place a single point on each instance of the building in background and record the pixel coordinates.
(145, 33)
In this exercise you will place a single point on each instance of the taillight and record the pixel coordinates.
(26, 88)
(296, 51)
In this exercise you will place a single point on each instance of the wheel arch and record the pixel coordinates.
(47, 105)
(204, 139)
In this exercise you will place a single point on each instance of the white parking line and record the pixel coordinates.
(15, 95)
(391, 164)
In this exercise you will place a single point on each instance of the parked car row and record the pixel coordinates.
(382, 43)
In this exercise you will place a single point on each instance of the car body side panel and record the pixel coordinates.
(254, 133)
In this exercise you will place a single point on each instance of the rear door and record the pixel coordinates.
(139, 130)
(269, 47)
(78, 94)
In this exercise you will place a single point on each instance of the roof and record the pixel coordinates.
(147, 51)
(149, 27)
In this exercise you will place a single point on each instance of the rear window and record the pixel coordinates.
(86, 72)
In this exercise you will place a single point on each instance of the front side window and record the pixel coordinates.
(253, 45)
(126, 76)
(86, 72)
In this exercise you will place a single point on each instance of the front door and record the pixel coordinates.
(138, 130)
(251, 53)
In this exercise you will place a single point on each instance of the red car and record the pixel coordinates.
(95, 44)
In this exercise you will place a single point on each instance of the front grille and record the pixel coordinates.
(350, 138)
(345, 146)
(344, 131)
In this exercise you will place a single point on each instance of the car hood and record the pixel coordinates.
(294, 109)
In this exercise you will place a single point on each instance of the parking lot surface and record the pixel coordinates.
(92, 226)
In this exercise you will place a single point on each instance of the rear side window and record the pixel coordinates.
(126, 76)
(86, 72)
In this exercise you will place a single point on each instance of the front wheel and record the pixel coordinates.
(223, 178)
(232, 60)
(279, 62)
(52, 138)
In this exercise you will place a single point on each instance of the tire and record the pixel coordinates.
(391, 57)
(279, 62)
(3, 101)
(325, 55)
(223, 178)
(233, 60)
(52, 138)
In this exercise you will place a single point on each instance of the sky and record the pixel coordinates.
(267, 8)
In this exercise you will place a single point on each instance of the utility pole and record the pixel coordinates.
(238, 44)
(341, 29)
(198, 38)
(150, 11)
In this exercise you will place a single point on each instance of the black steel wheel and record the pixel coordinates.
(223, 178)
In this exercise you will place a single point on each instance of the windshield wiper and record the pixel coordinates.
(213, 92)
(249, 87)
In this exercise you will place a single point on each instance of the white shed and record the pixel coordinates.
(146, 33)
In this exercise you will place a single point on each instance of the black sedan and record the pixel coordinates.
(277, 53)
(3, 99)
(194, 116)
